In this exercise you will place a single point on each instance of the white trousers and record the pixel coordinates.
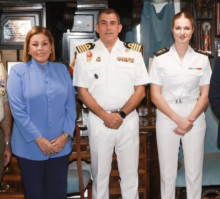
(125, 141)
(168, 148)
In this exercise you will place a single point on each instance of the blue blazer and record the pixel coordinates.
(42, 102)
(214, 94)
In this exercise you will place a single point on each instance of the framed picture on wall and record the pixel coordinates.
(217, 19)
(14, 28)
(83, 23)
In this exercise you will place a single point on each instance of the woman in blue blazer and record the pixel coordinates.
(42, 101)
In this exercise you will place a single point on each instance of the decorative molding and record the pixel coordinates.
(211, 191)
(204, 9)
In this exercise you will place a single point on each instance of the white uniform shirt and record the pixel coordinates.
(180, 80)
(110, 81)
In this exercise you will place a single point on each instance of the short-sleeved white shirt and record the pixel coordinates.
(109, 78)
(180, 80)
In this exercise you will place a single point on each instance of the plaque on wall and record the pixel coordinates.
(16, 20)
(83, 23)
(15, 29)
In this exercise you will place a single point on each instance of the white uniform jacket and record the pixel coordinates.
(110, 77)
(180, 80)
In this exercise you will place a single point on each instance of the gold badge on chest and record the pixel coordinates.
(98, 59)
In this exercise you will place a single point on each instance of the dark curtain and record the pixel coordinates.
(155, 29)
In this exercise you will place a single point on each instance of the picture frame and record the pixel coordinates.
(9, 64)
(14, 28)
(217, 19)
(83, 23)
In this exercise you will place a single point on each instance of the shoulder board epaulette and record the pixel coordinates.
(133, 46)
(85, 47)
(162, 51)
(201, 52)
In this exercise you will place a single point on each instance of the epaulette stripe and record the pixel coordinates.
(130, 45)
(78, 49)
(139, 48)
(84, 48)
(81, 48)
(135, 46)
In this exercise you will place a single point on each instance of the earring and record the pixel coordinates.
(51, 52)
(29, 53)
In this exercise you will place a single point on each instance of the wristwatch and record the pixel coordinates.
(8, 143)
(67, 135)
(122, 114)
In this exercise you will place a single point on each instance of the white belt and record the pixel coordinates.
(181, 101)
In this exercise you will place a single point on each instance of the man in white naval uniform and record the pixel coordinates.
(111, 77)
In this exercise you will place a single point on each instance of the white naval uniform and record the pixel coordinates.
(180, 80)
(111, 83)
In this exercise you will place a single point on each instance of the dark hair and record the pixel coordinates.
(35, 31)
(108, 11)
(187, 15)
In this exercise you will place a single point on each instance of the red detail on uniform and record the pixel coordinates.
(199, 68)
(89, 54)
(71, 68)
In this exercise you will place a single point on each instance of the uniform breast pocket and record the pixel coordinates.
(96, 73)
(170, 78)
(196, 73)
(168, 73)
(126, 72)
(194, 76)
